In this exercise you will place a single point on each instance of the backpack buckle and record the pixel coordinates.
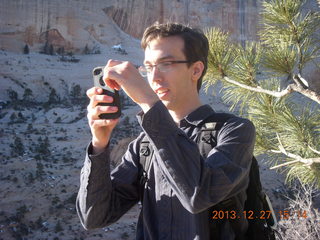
(207, 138)
(145, 151)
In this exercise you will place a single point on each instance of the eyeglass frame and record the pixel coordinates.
(141, 70)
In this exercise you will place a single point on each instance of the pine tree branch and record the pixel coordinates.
(307, 92)
(293, 87)
(261, 90)
(283, 164)
(312, 149)
(306, 161)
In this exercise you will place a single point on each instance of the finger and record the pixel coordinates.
(104, 122)
(93, 91)
(110, 74)
(95, 117)
(111, 78)
(112, 63)
(101, 99)
(95, 99)
(95, 112)
(112, 84)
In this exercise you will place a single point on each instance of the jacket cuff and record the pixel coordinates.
(100, 157)
(157, 122)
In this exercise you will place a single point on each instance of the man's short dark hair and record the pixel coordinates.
(196, 45)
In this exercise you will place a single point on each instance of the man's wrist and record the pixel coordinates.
(147, 105)
(98, 147)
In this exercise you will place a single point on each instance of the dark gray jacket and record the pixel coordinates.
(182, 185)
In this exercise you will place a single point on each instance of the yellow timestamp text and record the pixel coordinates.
(264, 214)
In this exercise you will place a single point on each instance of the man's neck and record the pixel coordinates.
(183, 111)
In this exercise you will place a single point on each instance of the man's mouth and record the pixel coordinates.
(161, 92)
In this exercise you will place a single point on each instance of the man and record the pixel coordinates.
(182, 185)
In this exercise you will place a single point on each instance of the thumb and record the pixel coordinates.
(110, 75)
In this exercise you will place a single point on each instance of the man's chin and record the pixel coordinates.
(168, 104)
(165, 102)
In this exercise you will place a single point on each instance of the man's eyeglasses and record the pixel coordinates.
(162, 67)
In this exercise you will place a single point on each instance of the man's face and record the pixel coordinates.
(173, 86)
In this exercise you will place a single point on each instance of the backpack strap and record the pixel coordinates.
(146, 153)
(257, 202)
(207, 141)
(264, 229)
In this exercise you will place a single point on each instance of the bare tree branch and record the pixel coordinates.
(308, 93)
(312, 149)
(293, 87)
(297, 158)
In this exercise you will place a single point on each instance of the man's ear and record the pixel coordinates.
(197, 69)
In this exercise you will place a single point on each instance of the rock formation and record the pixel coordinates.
(74, 24)
(236, 16)
(63, 24)
(83, 25)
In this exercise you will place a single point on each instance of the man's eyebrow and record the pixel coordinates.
(168, 57)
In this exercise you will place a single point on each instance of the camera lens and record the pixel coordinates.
(97, 71)
(101, 81)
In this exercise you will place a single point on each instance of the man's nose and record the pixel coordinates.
(155, 75)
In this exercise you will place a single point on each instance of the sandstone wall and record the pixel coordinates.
(70, 24)
(237, 16)
(73, 24)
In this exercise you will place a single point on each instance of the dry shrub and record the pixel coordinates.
(304, 219)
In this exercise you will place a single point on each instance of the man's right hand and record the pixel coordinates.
(101, 129)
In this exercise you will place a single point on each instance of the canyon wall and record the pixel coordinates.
(73, 24)
(82, 25)
(237, 16)
(67, 24)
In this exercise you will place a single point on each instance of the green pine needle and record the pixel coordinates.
(289, 42)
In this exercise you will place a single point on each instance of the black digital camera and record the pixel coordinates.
(98, 82)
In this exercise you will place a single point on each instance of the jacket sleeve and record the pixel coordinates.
(200, 183)
(103, 197)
